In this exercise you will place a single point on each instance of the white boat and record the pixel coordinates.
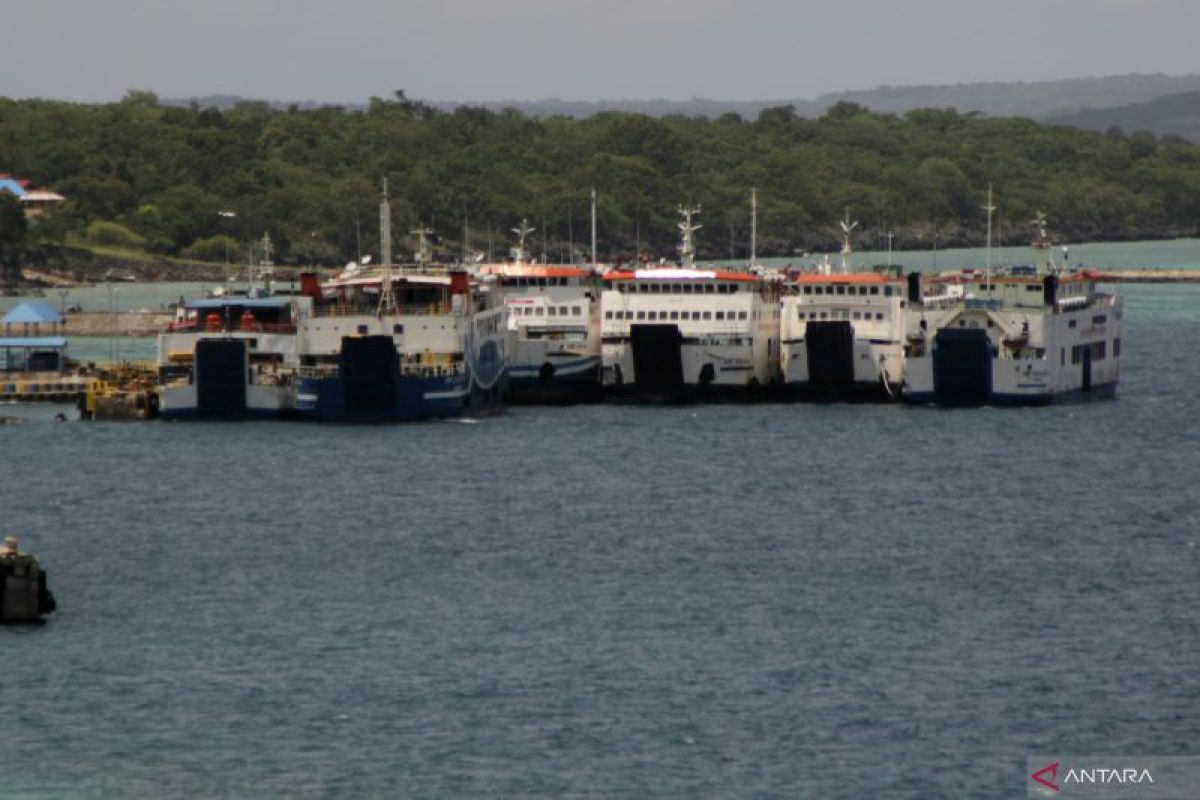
(231, 357)
(554, 320)
(679, 334)
(842, 335)
(1016, 336)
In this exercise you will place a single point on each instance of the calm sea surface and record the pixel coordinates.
(761, 601)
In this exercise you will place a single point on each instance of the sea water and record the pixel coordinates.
(716, 601)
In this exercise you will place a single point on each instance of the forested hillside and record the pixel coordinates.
(156, 177)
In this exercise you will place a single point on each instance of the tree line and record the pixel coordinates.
(203, 182)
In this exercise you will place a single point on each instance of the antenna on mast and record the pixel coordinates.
(519, 255)
(847, 227)
(687, 244)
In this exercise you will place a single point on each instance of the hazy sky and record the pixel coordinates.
(348, 50)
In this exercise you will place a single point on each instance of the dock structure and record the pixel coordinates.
(1150, 276)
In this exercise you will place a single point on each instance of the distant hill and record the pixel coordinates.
(1039, 100)
(1175, 114)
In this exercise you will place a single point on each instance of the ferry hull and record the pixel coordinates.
(1106, 391)
(551, 383)
(859, 392)
(414, 399)
(260, 402)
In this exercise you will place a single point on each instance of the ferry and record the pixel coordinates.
(231, 356)
(842, 335)
(398, 344)
(681, 334)
(1018, 336)
(554, 322)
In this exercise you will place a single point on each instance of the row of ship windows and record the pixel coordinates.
(677, 315)
(841, 314)
(1099, 319)
(546, 311)
(677, 288)
(888, 291)
(1099, 351)
(533, 281)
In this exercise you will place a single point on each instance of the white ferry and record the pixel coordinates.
(554, 320)
(1020, 336)
(231, 356)
(678, 334)
(402, 344)
(842, 335)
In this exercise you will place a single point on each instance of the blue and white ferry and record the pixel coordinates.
(554, 320)
(399, 344)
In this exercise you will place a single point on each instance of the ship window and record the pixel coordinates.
(576, 310)
(708, 288)
(362, 330)
(887, 291)
(857, 315)
(696, 315)
(641, 315)
(1099, 319)
(1062, 356)
(562, 311)
(1071, 324)
(652, 315)
(1116, 348)
(741, 315)
(706, 315)
(879, 316)
(541, 312)
(841, 290)
(688, 288)
(800, 315)
(808, 289)
(655, 288)
(874, 290)
(397, 328)
(824, 315)
(721, 314)
(608, 315)
(552, 310)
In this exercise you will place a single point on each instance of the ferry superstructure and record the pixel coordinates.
(554, 320)
(679, 334)
(1019, 336)
(842, 335)
(231, 357)
(397, 344)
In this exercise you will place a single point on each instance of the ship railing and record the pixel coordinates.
(990, 305)
(372, 309)
(201, 326)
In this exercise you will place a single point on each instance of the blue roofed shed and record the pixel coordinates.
(32, 340)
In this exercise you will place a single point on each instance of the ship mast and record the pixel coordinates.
(1041, 244)
(423, 256)
(593, 227)
(518, 253)
(753, 226)
(847, 227)
(990, 208)
(387, 302)
(687, 244)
